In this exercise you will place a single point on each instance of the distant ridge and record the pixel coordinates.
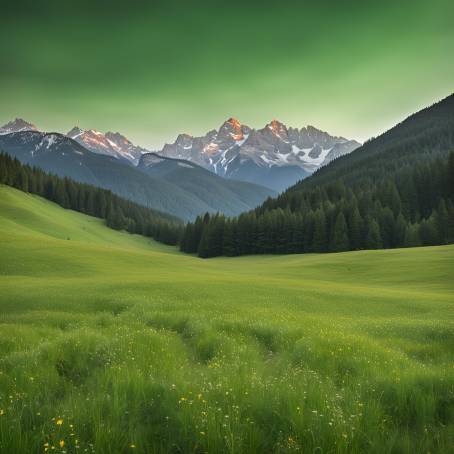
(274, 156)
(182, 191)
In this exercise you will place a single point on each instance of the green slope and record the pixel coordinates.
(137, 348)
(230, 197)
(422, 136)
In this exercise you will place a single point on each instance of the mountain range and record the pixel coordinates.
(111, 143)
(396, 190)
(183, 190)
(230, 170)
(274, 156)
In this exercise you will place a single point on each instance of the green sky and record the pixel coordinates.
(153, 69)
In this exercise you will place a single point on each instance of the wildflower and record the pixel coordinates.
(59, 422)
(61, 443)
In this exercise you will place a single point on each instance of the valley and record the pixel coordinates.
(112, 342)
(226, 227)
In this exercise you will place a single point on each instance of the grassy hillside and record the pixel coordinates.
(112, 343)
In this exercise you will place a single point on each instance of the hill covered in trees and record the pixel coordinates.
(170, 192)
(396, 190)
(119, 213)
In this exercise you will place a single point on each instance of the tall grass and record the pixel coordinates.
(111, 344)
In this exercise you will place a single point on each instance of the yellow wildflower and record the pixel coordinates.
(59, 422)
(61, 443)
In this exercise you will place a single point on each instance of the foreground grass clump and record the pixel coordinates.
(110, 343)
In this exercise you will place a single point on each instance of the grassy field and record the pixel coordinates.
(112, 343)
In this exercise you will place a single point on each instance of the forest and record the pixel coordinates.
(412, 207)
(396, 190)
(119, 213)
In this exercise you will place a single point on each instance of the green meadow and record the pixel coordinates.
(112, 343)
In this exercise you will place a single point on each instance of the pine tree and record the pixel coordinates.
(390, 198)
(320, 238)
(400, 230)
(298, 234)
(340, 240)
(373, 237)
(228, 240)
(412, 236)
(387, 227)
(60, 196)
(428, 232)
(441, 219)
(116, 219)
(308, 234)
(355, 229)
(203, 250)
(409, 197)
(22, 180)
(90, 203)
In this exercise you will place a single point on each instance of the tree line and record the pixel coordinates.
(118, 213)
(410, 206)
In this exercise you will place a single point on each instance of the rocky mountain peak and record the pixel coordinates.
(111, 143)
(239, 152)
(277, 128)
(118, 139)
(234, 122)
(183, 140)
(232, 129)
(74, 132)
(17, 125)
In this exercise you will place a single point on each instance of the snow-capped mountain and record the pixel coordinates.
(178, 187)
(111, 144)
(274, 156)
(17, 125)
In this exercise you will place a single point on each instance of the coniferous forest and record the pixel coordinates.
(413, 209)
(397, 190)
(119, 213)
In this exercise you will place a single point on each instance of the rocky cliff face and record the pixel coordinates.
(262, 156)
(111, 144)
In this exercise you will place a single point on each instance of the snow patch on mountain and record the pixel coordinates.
(17, 125)
(111, 144)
